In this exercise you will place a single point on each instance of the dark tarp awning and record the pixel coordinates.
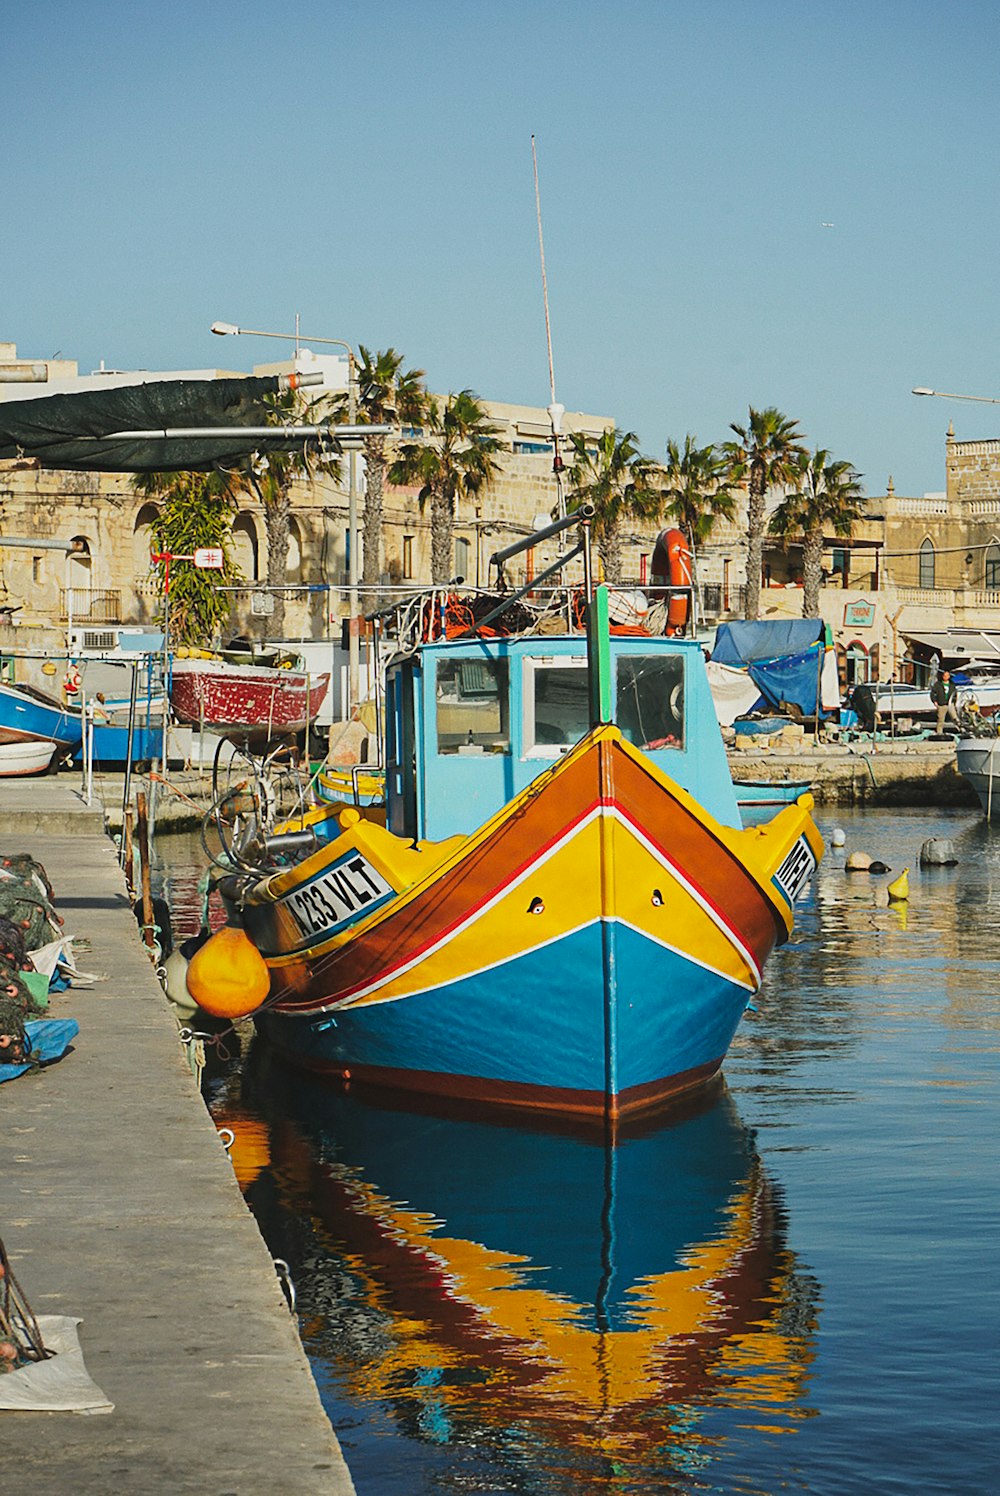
(89, 430)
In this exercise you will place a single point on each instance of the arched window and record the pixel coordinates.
(293, 569)
(927, 564)
(857, 663)
(463, 557)
(143, 538)
(991, 568)
(245, 546)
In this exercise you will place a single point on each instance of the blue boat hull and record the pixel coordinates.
(27, 716)
(556, 1031)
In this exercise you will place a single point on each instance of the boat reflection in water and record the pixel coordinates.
(595, 1312)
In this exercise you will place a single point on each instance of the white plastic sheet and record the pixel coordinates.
(60, 1385)
(733, 692)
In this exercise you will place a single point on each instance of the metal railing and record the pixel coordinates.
(90, 605)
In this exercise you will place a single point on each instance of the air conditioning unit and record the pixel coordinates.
(125, 643)
(93, 641)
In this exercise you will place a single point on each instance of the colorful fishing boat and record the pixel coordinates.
(563, 912)
(28, 715)
(361, 784)
(249, 702)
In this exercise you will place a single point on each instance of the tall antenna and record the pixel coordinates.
(555, 410)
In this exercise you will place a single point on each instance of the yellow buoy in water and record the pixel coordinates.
(228, 976)
(899, 890)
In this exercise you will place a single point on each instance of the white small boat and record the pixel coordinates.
(981, 686)
(978, 761)
(20, 759)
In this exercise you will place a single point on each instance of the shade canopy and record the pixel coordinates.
(127, 428)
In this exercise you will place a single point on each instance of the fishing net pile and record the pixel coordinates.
(20, 1338)
(28, 921)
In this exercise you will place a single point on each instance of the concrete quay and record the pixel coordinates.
(120, 1207)
(880, 773)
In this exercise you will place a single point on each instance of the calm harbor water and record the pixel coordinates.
(788, 1287)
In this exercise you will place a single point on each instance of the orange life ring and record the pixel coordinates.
(670, 569)
(71, 681)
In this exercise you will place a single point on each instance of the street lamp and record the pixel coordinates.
(230, 329)
(945, 395)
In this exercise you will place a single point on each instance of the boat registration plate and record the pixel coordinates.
(796, 870)
(337, 897)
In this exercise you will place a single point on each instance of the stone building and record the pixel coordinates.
(916, 567)
(109, 581)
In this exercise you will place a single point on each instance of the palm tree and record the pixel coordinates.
(388, 395)
(828, 497)
(196, 510)
(619, 481)
(458, 461)
(697, 489)
(272, 478)
(763, 457)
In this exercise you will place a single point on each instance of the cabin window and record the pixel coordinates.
(473, 713)
(650, 710)
(556, 705)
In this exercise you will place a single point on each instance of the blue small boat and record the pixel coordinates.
(761, 792)
(27, 715)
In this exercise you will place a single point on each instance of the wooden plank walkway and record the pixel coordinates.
(118, 1205)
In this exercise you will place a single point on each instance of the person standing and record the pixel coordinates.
(943, 693)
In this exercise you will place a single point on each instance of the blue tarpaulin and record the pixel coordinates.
(793, 679)
(741, 643)
(48, 1040)
(784, 659)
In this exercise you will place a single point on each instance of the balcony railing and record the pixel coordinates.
(87, 605)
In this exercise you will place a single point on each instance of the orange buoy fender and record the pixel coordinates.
(250, 1153)
(671, 568)
(228, 976)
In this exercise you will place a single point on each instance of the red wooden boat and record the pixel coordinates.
(245, 701)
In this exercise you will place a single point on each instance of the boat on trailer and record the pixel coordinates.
(28, 715)
(563, 912)
(246, 702)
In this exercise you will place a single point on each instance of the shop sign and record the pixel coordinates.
(859, 615)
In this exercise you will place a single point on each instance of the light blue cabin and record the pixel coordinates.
(471, 722)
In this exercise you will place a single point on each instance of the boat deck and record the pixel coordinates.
(121, 1208)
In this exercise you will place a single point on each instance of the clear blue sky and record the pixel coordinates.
(369, 167)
